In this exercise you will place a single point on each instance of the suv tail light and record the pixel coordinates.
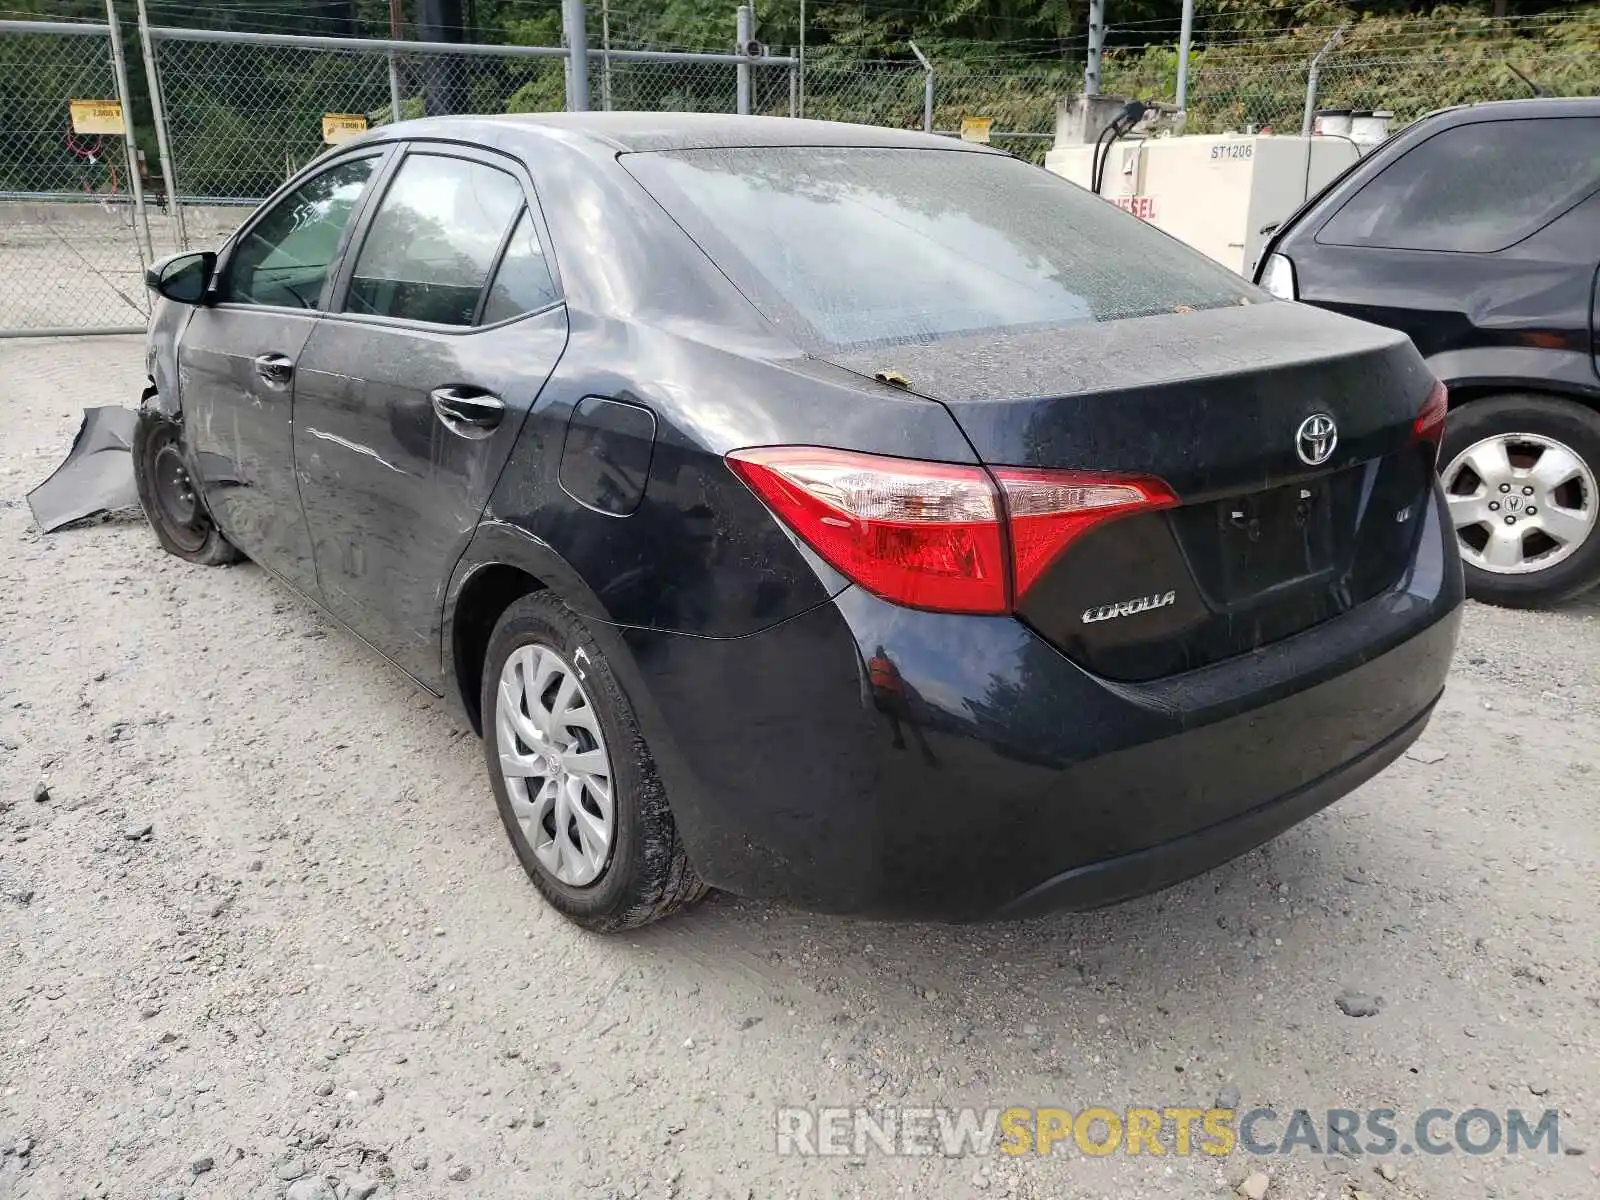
(1429, 425)
(1277, 276)
(943, 536)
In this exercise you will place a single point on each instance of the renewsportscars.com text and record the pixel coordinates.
(1099, 1130)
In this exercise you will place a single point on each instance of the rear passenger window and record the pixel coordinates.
(523, 283)
(433, 240)
(1475, 188)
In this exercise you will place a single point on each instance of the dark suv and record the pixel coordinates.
(1477, 232)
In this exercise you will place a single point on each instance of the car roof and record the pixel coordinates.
(1530, 106)
(643, 131)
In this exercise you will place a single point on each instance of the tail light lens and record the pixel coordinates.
(1048, 509)
(1429, 425)
(942, 536)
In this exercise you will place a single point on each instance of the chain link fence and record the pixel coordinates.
(1411, 85)
(679, 81)
(71, 236)
(244, 112)
(865, 92)
(1272, 85)
(1020, 104)
(237, 113)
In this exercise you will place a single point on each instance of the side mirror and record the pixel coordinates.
(185, 278)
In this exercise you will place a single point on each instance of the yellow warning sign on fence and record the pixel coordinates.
(96, 116)
(341, 127)
(975, 129)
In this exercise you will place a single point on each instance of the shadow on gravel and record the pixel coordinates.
(1193, 944)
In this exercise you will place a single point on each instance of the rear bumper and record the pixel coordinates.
(867, 758)
(1111, 880)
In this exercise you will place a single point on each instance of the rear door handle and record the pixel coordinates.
(467, 414)
(275, 370)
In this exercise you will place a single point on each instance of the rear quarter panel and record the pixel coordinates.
(653, 324)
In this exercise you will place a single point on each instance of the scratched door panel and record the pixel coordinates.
(391, 494)
(238, 424)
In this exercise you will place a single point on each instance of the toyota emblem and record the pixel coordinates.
(1315, 439)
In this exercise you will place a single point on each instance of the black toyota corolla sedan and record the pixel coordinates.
(839, 515)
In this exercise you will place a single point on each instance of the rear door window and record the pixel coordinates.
(522, 282)
(433, 240)
(1474, 188)
(848, 247)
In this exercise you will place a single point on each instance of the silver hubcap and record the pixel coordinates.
(553, 758)
(1520, 502)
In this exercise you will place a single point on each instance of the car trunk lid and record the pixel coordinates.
(1224, 405)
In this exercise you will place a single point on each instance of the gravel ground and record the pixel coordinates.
(265, 936)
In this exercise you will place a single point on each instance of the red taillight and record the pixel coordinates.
(934, 535)
(1429, 425)
(925, 535)
(1048, 509)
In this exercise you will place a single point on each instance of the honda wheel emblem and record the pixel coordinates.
(1315, 439)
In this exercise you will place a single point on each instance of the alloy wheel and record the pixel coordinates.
(1520, 502)
(555, 765)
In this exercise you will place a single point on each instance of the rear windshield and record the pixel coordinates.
(851, 247)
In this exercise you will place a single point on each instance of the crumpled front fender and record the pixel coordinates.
(167, 324)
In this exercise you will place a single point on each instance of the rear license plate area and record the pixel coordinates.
(1244, 547)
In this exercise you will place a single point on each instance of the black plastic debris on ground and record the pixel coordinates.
(95, 477)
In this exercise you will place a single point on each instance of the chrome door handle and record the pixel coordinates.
(275, 370)
(467, 414)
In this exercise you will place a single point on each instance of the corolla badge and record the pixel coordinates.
(1127, 608)
(1315, 439)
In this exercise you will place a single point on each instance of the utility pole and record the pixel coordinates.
(147, 252)
(1097, 42)
(744, 34)
(396, 112)
(605, 55)
(577, 39)
(1185, 36)
(927, 88)
(800, 90)
(152, 77)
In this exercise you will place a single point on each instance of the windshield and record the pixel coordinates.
(851, 247)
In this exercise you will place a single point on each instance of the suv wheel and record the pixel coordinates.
(573, 778)
(1520, 479)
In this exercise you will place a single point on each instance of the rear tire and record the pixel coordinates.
(1527, 427)
(171, 499)
(634, 870)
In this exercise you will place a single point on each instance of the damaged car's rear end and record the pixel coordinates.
(850, 517)
(1156, 569)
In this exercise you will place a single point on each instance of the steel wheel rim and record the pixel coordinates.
(554, 762)
(1520, 502)
(176, 497)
